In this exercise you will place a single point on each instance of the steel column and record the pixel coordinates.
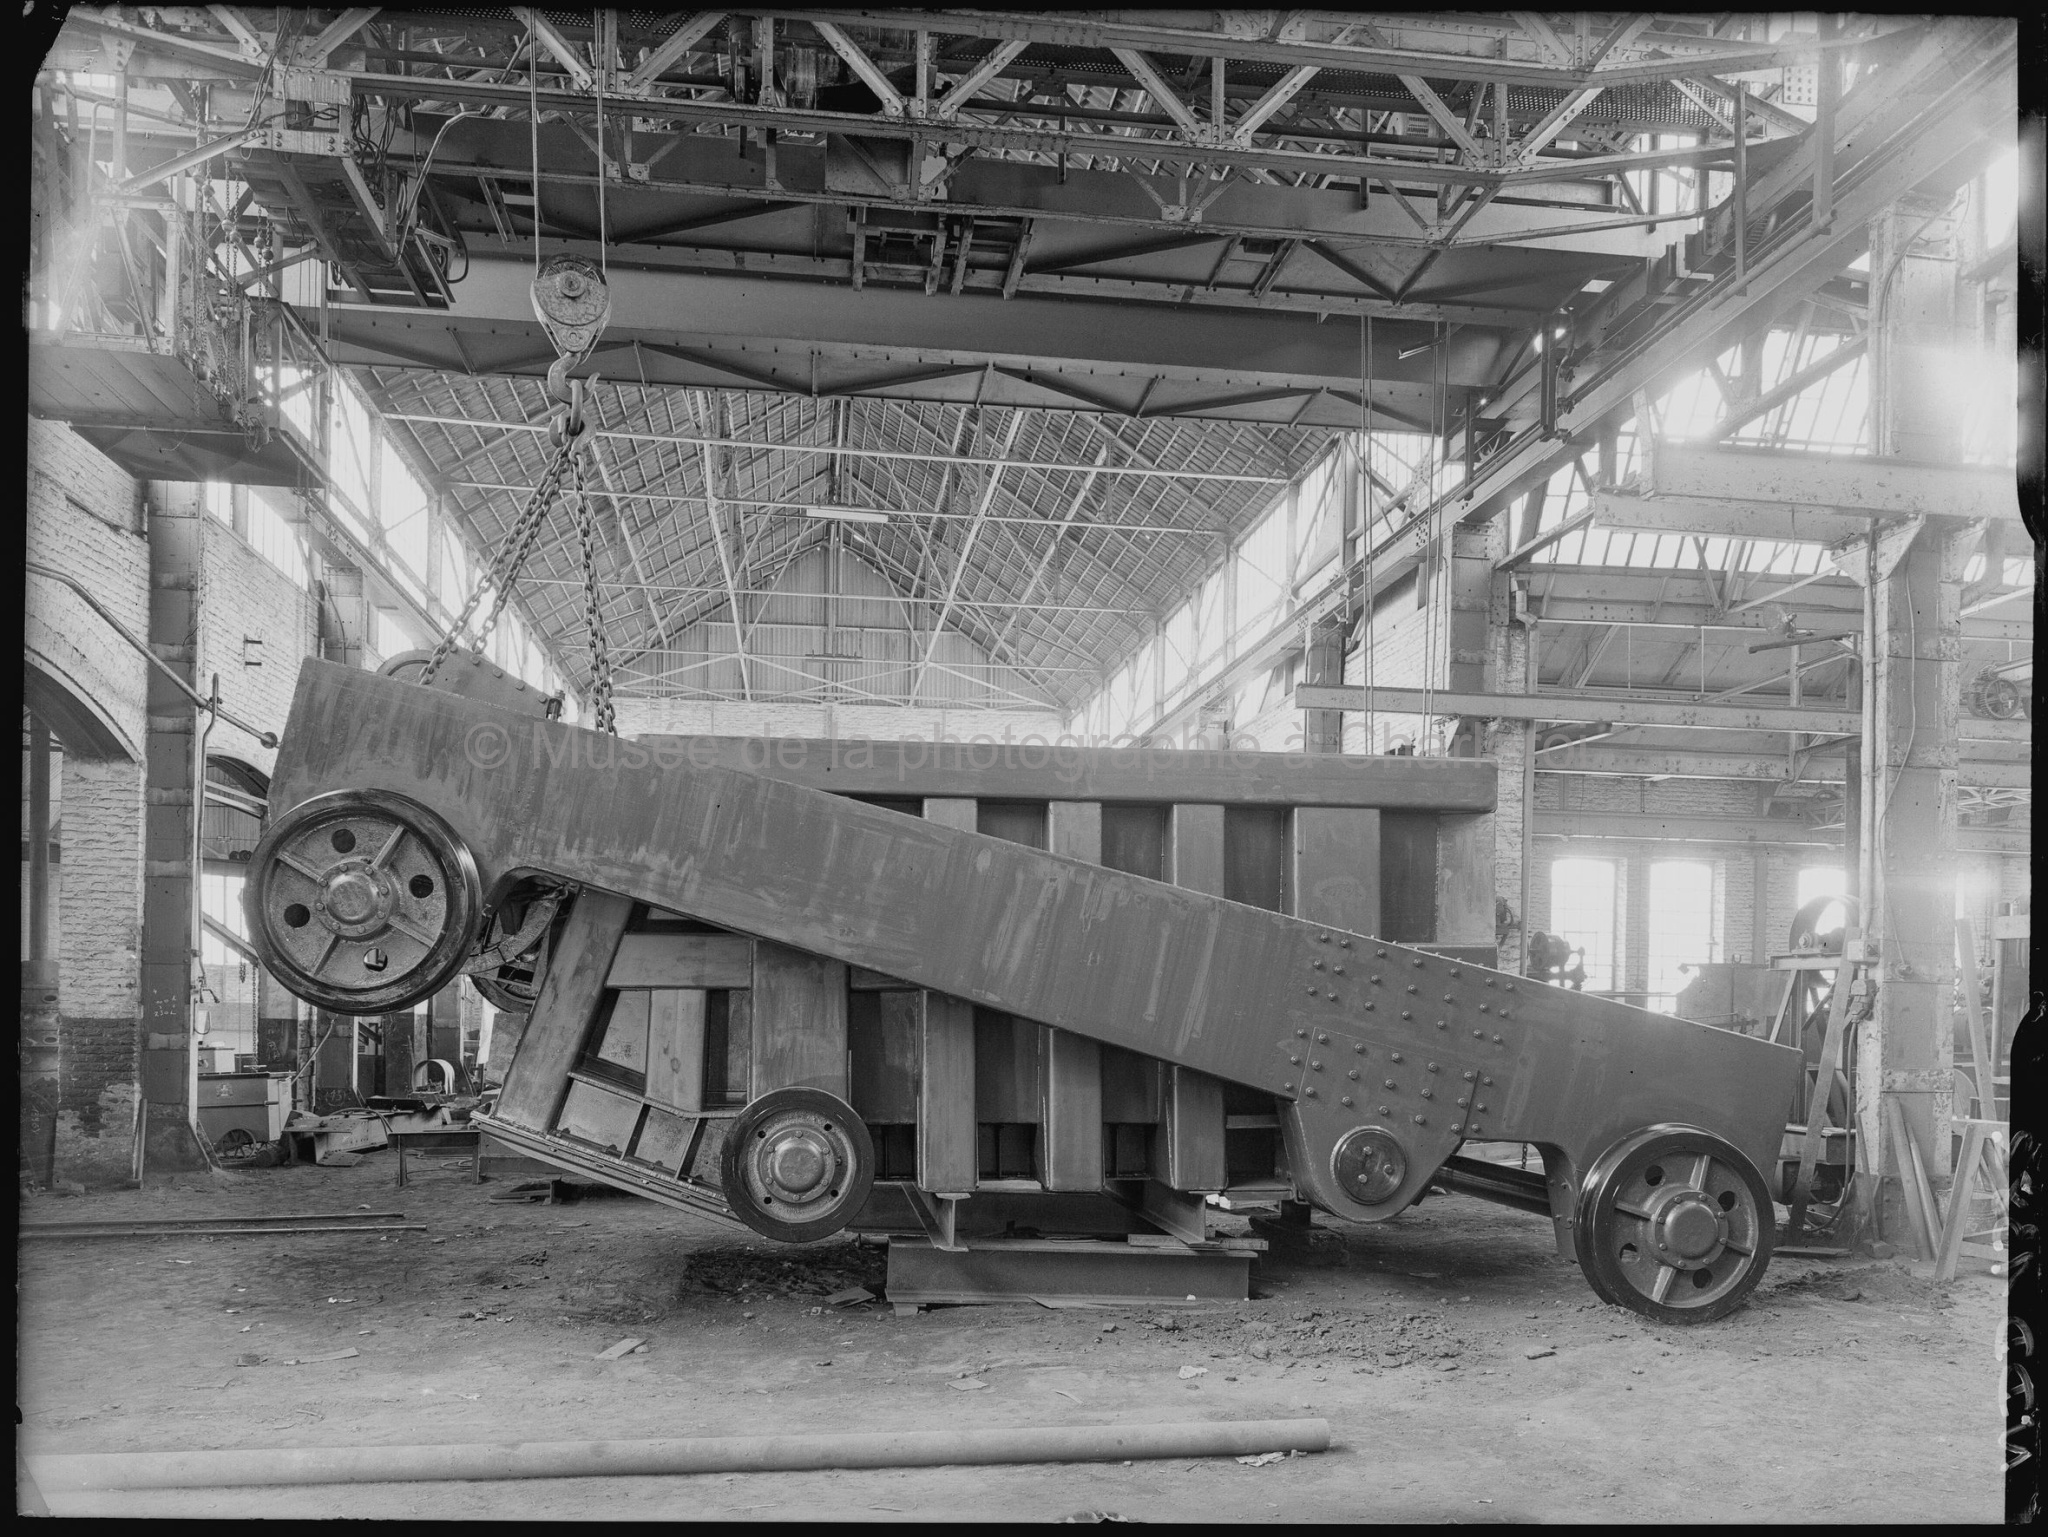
(170, 887)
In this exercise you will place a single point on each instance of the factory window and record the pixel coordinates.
(453, 586)
(220, 899)
(219, 500)
(2001, 194)
(1582, 893)
(298, 390)
(276, 538)
(402, 509)
(1681, 926)
(392, 636)
(353, 451)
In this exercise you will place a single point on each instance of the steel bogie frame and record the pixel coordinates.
(1363, 1047)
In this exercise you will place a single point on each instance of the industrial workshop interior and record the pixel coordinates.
(964, 765)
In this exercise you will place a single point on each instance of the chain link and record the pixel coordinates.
(570, 437)
(505, 569)
(600, 655)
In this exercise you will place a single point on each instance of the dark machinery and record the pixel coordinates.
(1552, 958)
(809, 1010)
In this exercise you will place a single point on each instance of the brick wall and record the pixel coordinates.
(242, 595)
(82, 521)
(99, 924)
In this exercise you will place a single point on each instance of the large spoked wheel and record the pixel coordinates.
(363, 901)
(797, 1165)
(1675, 1224)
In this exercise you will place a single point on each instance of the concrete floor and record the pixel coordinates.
(1845, 1391)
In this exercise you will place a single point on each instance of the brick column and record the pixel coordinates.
(99, 885)
(38, 1064)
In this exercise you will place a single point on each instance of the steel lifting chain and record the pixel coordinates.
(505, 567)
(600, 655)
(572, 303)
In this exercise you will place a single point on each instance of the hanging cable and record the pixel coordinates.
(1366, 520)
(533, 121)
(598, 67)
(1432, 555)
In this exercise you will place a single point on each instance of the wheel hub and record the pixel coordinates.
(356, 899)
(797, 1164)
(1689, 1229)
(1370, 1165)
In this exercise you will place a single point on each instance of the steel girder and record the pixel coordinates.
(740, 332)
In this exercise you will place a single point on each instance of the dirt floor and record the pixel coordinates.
(1845, 1391)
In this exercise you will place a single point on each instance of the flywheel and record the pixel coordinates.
(363, 901)
(1676, 1224)
(797, 1165)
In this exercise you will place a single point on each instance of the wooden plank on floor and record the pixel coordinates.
(565, 1010)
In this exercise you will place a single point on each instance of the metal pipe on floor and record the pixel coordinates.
(245, 1468)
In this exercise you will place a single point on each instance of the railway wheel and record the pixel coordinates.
(797, 1165)
(363, 901)
(1675, 1224)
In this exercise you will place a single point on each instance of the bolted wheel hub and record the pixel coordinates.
(1676, 1224)
(362, 901)
(356, 899)
(1369, 1165)
(1689, 1229)
(797, 1165)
